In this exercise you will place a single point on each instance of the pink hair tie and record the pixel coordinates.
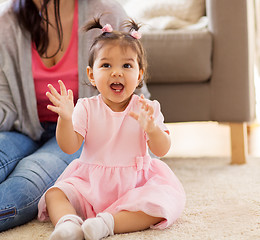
(135, 34)
(107, 28)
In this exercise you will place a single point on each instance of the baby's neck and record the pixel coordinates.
(117, 107)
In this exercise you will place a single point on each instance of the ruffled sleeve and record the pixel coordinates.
(158, 116)
(80, 117)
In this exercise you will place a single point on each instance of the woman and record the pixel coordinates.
(39, 44)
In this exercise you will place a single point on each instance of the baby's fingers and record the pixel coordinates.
(53, 108)
(53, 99)
(54, 92)
(150, 109)
(63, 90)
(142, 100)
(145, 104)
(146, 107)
(150, 118)
(134, 115)
(70, 94)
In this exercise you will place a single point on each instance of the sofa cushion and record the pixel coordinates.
(178, 56)
(164, 14)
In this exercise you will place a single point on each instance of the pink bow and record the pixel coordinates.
(107, 28)
(135, 34)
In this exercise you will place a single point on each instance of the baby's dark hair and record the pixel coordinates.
(125, 39)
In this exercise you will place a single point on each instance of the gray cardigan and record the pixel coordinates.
(18, 107)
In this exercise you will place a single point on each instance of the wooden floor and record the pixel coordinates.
(206, 139)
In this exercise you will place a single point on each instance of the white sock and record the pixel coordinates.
(68, 228)
(99, 227)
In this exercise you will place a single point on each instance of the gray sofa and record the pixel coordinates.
(207, 75)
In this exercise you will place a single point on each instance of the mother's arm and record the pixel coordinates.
(7, 109)
(8, 113)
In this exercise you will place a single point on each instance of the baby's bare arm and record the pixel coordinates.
(68, 140)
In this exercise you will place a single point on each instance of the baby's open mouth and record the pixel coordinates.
(117, 87)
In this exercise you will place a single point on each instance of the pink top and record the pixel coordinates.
(103, 130)
(66, 70)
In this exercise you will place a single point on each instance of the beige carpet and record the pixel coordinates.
(223, 202)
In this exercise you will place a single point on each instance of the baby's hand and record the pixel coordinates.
(145, 118)
(63, 102)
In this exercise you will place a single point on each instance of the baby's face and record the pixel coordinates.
(116, 75)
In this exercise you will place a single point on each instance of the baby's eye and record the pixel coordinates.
(106, 65)
(127, 65)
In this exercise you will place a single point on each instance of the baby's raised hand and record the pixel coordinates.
(63, 103)
(145, 117)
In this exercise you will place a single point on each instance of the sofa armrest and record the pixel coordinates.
(232, 92)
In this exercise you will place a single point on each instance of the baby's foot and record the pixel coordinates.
(68, 228)
(98, 227)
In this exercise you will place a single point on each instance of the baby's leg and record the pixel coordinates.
(123, 222)
(126, 221)
(58, 205)
(63, 216)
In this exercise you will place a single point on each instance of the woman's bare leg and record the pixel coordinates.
(126, 221)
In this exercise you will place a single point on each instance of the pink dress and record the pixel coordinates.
(115, 171)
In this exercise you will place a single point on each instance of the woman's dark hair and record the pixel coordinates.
(125, 38)
(36, 22)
